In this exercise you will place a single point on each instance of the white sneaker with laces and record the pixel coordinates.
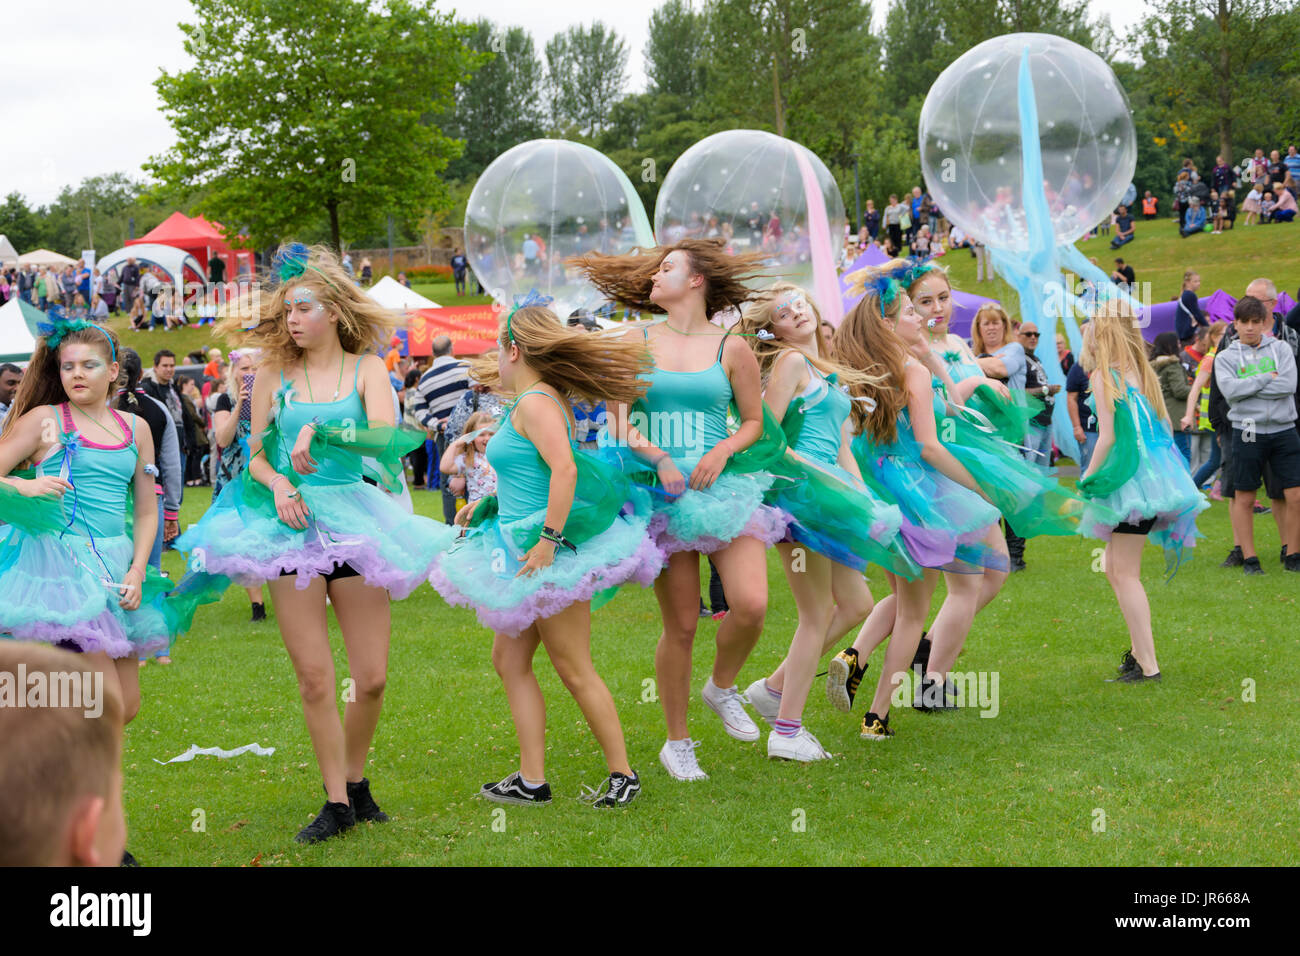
(763, 700)
(729, 704)
(678, 758)
(803, 746)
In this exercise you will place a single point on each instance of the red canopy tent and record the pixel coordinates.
(200, 238)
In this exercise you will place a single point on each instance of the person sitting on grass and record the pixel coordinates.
(1195, 220)
(1123, 228)
(1257, 376)
(1284, 209)
(62, 767)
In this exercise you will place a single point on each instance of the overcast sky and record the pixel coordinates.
(79, 98)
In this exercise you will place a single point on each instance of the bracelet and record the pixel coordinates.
(662, 455)
(553, 536)
(292, 494)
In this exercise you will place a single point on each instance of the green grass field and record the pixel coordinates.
(1195, 770)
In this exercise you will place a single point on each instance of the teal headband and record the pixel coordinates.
(57, 329)
(532, 298)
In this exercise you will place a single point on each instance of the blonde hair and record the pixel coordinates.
(260, 321)
(865, 341)
(473, 423)
(232, 360)
(588, 366)
(758, 317)
(1187, 276)
(977, 335)
(1112, 341)
(52, 757)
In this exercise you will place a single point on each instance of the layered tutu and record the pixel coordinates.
(944, 523)
(1143, 476)
(608, 522)
(1033, 501)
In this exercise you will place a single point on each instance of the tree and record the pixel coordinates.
(498, 106)
(292, 110)
(674, 54)
(586, 70)
(1218, 68)
(646, 134)
(19, 223)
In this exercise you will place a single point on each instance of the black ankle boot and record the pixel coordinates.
(259, 611)
(363, 804)
(333, 819)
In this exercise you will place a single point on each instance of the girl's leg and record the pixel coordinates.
(305, 632)
(853, 602)
(513, 659)
(811, 587)
(1124, 572)
(365, 620)
(960, 604)
(742, 565)
(128, 680)
(254, 595)
(678, 591)
(567, 637)
(913, 604)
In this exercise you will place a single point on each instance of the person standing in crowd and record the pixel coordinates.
(1257, 376)
(232, 420)
(1174, 387)
(10, 376)
(1081, 414)
(893, 222)
(1124, 230)
(1149, 203)
(436, 394)
(1190, 319)
(458, 266)
(367, 271)
(1221, 177)
(1063, 354)
(1002, 359)
(1196, 420)
(163, 387)
(871, 221)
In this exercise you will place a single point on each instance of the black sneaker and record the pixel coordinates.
(1018, 564)
(922, 656)
(1251, 566)
(363, 804)
(932, 698)
(843, 675)
(259, 612)
(621, 791)
(128, 859)
(513, 790)
(1234, 558)
(1136, 677)
(1128, 663)
(1282, 555)
(1291, 562)
(704, 611)
(875, 728)
(333, 819)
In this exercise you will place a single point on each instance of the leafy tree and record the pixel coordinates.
(296, 109)
(19, 223)
(646, 134)
(586, 71)
(674, 54)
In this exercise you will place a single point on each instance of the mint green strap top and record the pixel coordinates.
(685, 413)
(824, 409)
(342, 466)
(100, 476)
(523, 477)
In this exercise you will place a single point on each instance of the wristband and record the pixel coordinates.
(662, 455)
(549, 534)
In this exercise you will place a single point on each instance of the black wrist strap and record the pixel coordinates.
(553, 536)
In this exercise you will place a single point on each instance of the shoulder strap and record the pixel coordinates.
(356, 372)
(722, 345)
(130, 430)
(65, 415)
(645, 332)
(568, 427)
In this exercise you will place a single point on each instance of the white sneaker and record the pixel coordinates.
(803, 746)
(729, 704)
(678, 758)
(764, 701)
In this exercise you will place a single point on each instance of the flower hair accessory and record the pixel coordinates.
(58, 328)
(291, 261)
(533, 298)
(764, 335)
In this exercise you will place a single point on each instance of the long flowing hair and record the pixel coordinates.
(259, 321)
(1112, 341)
(41, 383)
(768, 349)
(866, 342)
(587, 366)
(627, 279)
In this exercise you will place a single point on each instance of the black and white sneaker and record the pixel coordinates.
(333, 819)
(513, 790)
(621, 790)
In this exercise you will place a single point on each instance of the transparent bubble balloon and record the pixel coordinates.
(759, 192)
(970, 139)
(541, 202)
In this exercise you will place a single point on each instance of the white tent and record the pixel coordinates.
(44, 257)
(171, 260)
(16, 340)
(7, 251)
(391, 294)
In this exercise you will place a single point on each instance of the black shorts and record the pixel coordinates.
(1274, 456)
(337, 573)
(1142, 527)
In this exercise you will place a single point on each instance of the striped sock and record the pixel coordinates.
(787, 728)
(768, 687)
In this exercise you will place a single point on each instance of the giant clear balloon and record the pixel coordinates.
(541, 202)
(759, 192)
(970, 139)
